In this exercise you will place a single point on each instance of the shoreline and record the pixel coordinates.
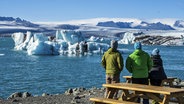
(71, 96)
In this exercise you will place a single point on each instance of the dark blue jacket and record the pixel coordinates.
(157, 70)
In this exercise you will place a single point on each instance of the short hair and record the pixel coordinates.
(114, 44)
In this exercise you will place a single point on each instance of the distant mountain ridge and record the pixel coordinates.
(10, 25)
(179, 23)
(16, 21)
(142, 25)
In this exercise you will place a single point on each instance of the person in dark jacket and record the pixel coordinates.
(157, 73)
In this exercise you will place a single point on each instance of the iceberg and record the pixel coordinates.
(63, 43)
(18, 39)
(129, 37)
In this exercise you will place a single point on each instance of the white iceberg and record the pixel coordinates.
(64, 43)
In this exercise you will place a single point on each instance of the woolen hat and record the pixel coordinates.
(155, 51)
(114, 44)
(137, 45)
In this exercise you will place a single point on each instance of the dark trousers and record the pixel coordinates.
(156, 82)
(141, 81)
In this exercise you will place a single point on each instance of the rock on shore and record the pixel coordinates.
(71, 96)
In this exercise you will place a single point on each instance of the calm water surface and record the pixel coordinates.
(20, 72)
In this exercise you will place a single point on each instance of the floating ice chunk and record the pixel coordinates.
(128, 38)
(18, 40)
(2, 54)
(41, 48)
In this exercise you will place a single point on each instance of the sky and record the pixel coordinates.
(66, 10)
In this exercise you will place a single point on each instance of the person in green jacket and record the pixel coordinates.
(139, 63)
(112, 61)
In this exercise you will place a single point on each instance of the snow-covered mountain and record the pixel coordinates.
(10, 21)
(157, 24)
(95, 26)
(142, 25)
(10, 25)
(179, 23)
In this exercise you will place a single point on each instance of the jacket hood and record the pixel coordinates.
(111, 51)
(138, 52)
(156, 56)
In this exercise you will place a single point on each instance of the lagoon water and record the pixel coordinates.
(20, 72)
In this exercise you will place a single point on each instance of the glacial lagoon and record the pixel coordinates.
(20, 72)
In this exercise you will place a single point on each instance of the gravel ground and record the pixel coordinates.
(74, 97)
(71, 96)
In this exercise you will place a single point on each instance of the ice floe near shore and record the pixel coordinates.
(65, 42)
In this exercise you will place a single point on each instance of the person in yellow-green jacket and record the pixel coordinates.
(139, 63)
(112, 61)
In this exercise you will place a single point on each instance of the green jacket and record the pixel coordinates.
(112, 61)
(139, 63)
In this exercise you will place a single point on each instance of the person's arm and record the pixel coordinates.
(150, 63)
(103, 62)
(161, 63)
(128, 64)
(120, 62)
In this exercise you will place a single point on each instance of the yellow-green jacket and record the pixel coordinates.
(112, 61)
(139, 63)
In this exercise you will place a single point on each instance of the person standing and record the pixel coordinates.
(157, 73)
(84, 48)
(112, 61)
(77, 49)
(139, 63)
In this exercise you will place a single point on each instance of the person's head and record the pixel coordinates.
(137, 45)
(155, 51)
(114, 44)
